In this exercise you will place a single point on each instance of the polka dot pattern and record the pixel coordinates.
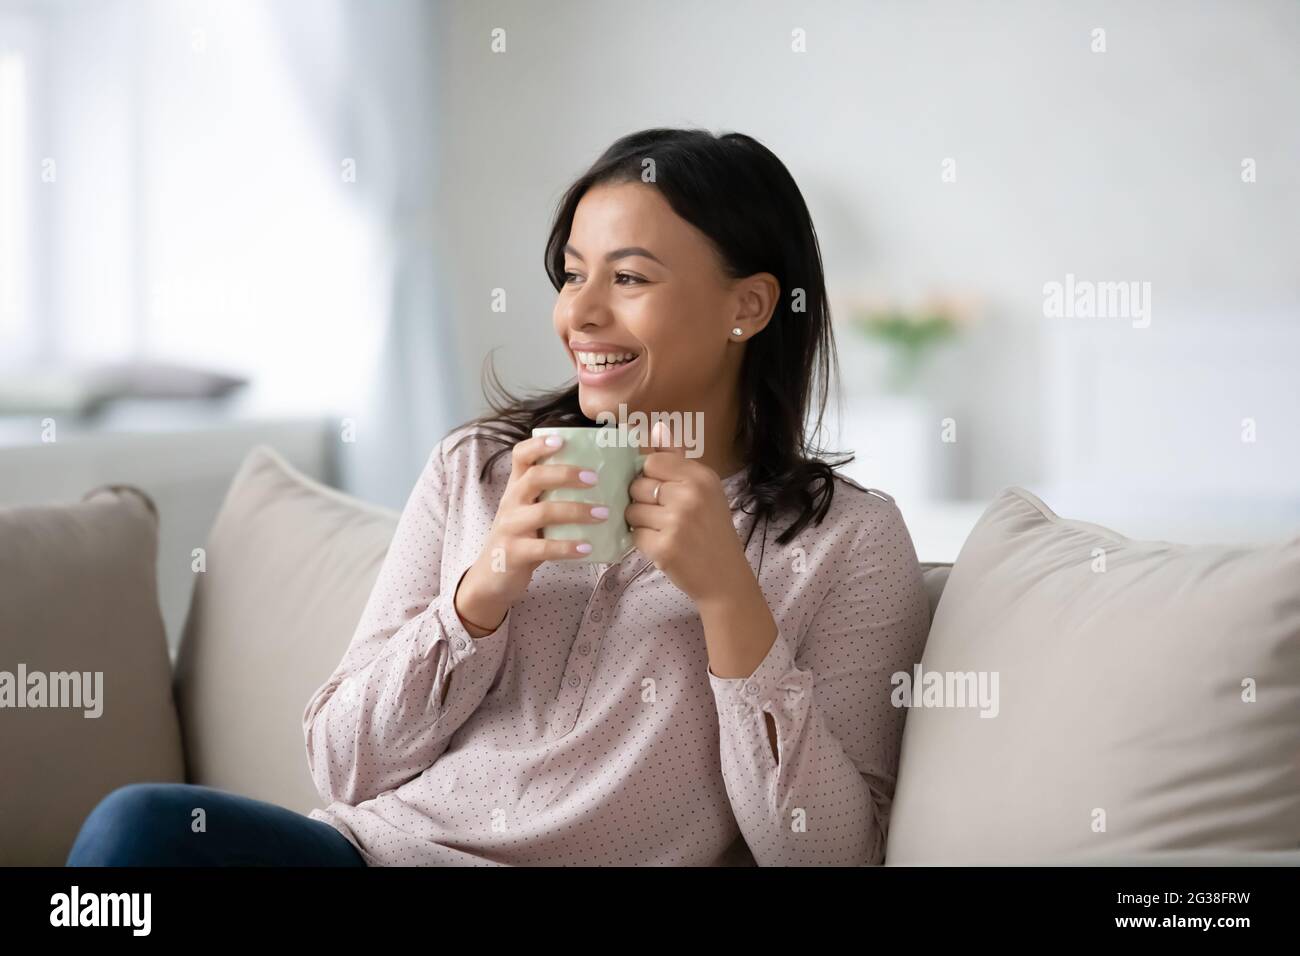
(588, 729)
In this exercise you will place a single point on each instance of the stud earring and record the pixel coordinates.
(737, 331)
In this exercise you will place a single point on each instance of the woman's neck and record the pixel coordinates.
(708, 432)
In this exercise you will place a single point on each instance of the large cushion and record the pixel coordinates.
(289, 565)
(1148, 699)
(79, 597)
(934, 575)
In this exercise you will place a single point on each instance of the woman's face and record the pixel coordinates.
(646, 311)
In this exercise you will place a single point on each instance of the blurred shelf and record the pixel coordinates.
(148, 415)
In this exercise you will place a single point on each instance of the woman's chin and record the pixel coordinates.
(592, 407)
(595, 402)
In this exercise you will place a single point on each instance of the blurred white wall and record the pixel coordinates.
(1121, 166)
(202, 212)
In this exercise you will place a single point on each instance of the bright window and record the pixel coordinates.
(17, 327)
(182, 198)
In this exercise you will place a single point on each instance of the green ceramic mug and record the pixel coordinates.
(607, 452)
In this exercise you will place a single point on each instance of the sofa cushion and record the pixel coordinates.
(80, 627)
(1147, 699)
(934, 575)
(289, 565)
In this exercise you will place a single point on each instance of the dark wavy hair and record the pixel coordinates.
(735, 191)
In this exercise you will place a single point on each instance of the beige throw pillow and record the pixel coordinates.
(83, 650)
(1141, 696)
(289, 565)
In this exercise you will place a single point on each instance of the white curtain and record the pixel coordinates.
(366, 74)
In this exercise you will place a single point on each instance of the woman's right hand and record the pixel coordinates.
(515, 547)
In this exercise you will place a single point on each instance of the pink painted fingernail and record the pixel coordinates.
(600, 511)
(589, 477)
(555, 441)
(584, 548)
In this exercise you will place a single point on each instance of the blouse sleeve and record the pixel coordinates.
(381, 717)
(824, 798)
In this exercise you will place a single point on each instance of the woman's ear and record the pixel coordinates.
(756, 298)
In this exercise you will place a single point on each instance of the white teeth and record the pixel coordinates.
(596, 361)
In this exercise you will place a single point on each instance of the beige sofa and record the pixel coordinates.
(279, 584)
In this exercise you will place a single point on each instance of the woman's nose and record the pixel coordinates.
(587, 309)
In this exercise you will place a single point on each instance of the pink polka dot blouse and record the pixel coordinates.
(588, 729)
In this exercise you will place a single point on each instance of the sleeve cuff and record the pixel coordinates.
(775, 676)
(461, 645)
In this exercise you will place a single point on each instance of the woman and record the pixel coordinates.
(721, 694)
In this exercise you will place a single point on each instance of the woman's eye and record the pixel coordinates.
(618, 277)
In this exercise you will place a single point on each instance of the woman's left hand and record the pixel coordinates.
(687, 528)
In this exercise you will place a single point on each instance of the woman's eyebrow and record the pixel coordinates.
(619, 254)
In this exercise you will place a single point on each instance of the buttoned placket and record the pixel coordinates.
(611, 581)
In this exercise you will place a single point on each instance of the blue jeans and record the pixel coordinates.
(152, 824)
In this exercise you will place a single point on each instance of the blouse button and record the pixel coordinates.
(610, 584)
(751, 688)
(584, 649)
(575, 680)
(595, 615)
(462, 643)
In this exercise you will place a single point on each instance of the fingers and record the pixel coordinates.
(537, 550)
(521, 516)
(667, 466)
(640, 516)
(643, 490)
(532, 450)
(661, 439)
(519, 531)
(539, 478)
(529, 475)
(529, 519)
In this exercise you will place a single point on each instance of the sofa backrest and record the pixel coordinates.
(935, 576)
(289, 565)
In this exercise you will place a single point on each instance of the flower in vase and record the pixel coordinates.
(910, 333)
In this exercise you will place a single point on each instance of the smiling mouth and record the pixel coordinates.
(594, 372)
(601, 362)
